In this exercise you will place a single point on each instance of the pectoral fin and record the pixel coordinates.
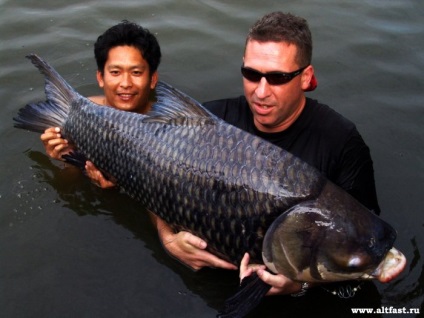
(76, 158)
(252, 290)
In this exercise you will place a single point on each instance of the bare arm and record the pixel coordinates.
(55, 145)
(281, 285)
(187, 248)
(97, 177)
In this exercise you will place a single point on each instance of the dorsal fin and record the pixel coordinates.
(174, 106)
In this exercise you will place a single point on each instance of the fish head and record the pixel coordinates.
(318, 242)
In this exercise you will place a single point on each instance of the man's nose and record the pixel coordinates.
(263, 90)
(126, 80)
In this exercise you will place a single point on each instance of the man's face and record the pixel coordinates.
(126, 81)
(274, 107)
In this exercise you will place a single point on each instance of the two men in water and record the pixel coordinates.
(276, 72)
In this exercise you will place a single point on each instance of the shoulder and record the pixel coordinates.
(326, 139)
(100, 99)
(235, 111)
(220, 107)
(343, 154)
(315, 109)
(324, 120)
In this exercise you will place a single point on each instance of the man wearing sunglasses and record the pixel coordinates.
(276, 72)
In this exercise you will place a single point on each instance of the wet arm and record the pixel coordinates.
(54, 144)
(187, 248)
(280, 285)
(97, 177)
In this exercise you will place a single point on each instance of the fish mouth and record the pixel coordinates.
(390, 267)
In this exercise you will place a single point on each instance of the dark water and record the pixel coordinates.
(68, 249)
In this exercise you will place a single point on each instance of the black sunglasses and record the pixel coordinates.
(273, 78)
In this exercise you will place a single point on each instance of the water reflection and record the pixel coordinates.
(74, 191)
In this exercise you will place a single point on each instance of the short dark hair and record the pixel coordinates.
(284, 27)
(131, 34)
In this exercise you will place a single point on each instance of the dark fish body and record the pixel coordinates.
(227, 186)
(211, 179)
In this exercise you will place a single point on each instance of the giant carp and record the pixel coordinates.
(234, 190)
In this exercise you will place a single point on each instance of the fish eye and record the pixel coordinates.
(355, 262)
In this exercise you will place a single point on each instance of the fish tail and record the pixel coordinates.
(54, 111)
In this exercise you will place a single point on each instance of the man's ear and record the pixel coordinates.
(99, 77)
(154, 80)
(309, 81)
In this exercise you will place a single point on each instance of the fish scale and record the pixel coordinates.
(196, 175)
(209, 158)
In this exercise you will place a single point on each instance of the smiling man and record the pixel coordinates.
(127, 57)
(126, 80)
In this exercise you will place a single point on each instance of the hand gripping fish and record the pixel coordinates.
(234, 190)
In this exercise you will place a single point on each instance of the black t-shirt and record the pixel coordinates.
(321, 137)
